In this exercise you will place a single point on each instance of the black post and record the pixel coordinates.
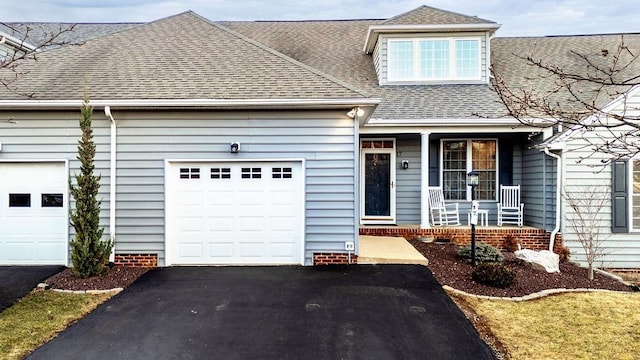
(473, 230)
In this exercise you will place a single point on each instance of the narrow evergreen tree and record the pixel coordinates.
(89, 252)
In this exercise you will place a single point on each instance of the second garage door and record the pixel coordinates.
(235, 213)
(33, 213)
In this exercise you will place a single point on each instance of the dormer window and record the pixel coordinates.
(433, 59)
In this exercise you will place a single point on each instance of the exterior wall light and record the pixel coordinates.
(405, 164)
(235, 147)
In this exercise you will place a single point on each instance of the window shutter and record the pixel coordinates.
(619, 197)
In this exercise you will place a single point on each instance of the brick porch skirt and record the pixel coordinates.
(137, 260)
(530, 237)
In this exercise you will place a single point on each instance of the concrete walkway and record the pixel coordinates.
(388, 250)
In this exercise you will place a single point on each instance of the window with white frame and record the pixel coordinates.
(459, 157)
(433, 59)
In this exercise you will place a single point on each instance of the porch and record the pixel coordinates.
(530, 237)
(396, 168)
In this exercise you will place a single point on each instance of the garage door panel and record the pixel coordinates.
(219, 198)
(220, 224)
(190, 250)
(249, 217)
(251, 224)
(221, 249)
(252, 249)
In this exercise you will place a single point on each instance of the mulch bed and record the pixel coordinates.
(117, 277)
(449, 269)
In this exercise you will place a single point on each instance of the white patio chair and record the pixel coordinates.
(441, 212)
(510, 209)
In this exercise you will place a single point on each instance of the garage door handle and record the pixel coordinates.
(393, 184)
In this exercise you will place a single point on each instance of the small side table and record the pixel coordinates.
(483, 217)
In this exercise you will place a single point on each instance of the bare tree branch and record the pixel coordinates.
(575, 95)
(21, 45)
(587, 204)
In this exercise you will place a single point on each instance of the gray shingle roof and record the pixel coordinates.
(37, 33)
(334, 47)
(180, 57)
(560, 51)
(432, 16)
(186, 56)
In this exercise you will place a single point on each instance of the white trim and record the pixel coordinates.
(469, 161)
(356, 186)
(424, 180)
(417, 64)
(561, 140)
(66, 194)
(372, 131)
(630, 195)
(16, 43)
(391, 219)
(204, 103)
(168, 250)
(513, 123)
(375, 30)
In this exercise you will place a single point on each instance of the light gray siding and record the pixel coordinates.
(584, 172)
(326, 139)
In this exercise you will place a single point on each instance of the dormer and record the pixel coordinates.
(431, 46)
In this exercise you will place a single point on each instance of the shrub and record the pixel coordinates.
(496, 275)
(511, 243)
(484, 253)
(89, 252)
(564, 254)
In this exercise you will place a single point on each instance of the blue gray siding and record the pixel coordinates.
(408, 189)
(408, 180)
(145, 139)
(539, 183)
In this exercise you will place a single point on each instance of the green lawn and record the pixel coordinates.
(39, 317)
(567, 326)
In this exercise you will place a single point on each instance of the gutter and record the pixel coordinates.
(196, 103)
(556, 229)
(112, 184)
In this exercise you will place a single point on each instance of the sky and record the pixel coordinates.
(517, 17)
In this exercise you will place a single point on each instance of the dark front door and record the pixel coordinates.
(379, 186)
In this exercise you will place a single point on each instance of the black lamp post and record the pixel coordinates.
(473, 178)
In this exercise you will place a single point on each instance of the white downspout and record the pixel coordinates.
(558, 194)
(112, 184)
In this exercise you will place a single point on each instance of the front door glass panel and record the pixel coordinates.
(377, 178)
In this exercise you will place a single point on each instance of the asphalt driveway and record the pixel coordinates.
(350, 312)
(18, 281)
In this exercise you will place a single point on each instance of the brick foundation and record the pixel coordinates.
(137, 260)
(530, 238)
(333, 259)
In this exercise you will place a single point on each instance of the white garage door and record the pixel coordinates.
(235, 213)
(33, 213)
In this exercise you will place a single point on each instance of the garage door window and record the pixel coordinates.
(19, 200)
(189, 173)
(251, 173)
(52, 200)
(220, 173)
(281, 173)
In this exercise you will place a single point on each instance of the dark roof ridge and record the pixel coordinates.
(281, 55)
(437, 9)
(566, 36)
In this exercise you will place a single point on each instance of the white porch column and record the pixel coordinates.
(424, 180)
